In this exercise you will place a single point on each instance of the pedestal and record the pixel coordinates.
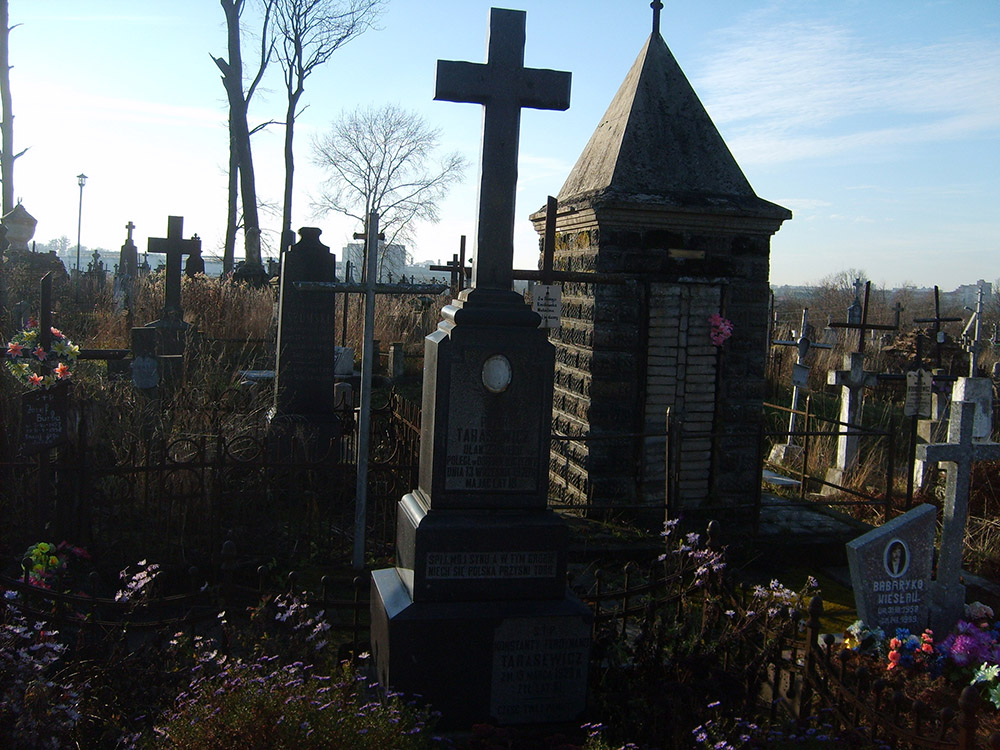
(502, 662)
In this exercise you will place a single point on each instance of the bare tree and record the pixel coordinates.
(7, 155)
(239, 129)
(381, 159)
(307, 33)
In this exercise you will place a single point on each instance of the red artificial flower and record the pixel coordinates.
(62, 371)
(14, 349)
(39, 353)
(56, 332)
(35, 379)
(32, 323)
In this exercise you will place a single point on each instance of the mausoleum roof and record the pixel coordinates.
(657, 144)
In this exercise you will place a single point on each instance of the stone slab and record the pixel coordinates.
(891, 571)
(496, 662)
(452, 556)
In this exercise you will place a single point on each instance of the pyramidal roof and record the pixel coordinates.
(656, 143)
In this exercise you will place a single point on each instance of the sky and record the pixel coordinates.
(876, 123)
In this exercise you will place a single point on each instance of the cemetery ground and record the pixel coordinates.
(171, 582)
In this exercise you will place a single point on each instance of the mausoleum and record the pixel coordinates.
(657, 198)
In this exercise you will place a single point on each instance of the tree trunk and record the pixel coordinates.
(232, 208)
(232, 80)
(286, 208)
(7, 127)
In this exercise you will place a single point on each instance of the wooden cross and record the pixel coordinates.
(503, 86)
(657, 6)
(174, 246)
(864, 326)
(457, 268)
(960, 453)
(937, 320)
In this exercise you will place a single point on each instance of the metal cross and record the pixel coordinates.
(657, 6)
(503, 86)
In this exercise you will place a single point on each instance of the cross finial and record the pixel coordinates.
(130, 226)
(657, 6)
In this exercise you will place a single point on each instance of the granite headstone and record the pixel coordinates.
(891, 571)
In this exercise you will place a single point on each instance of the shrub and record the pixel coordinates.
(259, 704)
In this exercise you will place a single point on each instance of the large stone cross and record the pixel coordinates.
(503, 86)
(853, 379)
(960, 453)
(174, 246)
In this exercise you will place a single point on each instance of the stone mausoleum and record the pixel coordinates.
(657, 199)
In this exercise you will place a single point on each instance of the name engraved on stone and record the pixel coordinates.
(43, 420)
(539, 669)
(477, 565)
(494, 459)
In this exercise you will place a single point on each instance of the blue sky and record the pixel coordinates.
(876, 123)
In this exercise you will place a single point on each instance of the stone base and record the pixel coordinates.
(510, 662)
(947, 606)
(786, 454)
(837, 476)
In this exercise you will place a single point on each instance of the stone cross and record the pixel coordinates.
(853, 379)
(174, 246)
(972, 335)
(503, 86)
(960, 453)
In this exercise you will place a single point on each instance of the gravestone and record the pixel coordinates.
(959, 454)
(305, 405)
(481, 560)
(853, 379)
(127, 271)
(891, 571)
(171, 326)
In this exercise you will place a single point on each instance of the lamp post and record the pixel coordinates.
(81, 180)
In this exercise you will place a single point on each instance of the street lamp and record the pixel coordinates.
(81, 180)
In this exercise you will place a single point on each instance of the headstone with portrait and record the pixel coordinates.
(891, 571)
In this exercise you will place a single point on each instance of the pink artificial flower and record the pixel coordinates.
(39, 353)
(14, 349)
(35, 379)
(56, 332)
(32, 323)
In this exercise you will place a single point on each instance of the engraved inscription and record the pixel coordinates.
(539, 669)
(458, 565)
(495, 459)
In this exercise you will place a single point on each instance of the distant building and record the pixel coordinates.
(967, 295)
(391, 260)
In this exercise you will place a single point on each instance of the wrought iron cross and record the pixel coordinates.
(503, 86)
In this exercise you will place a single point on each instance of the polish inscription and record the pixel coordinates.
(539, 669)
(477, 565)
(491, 459)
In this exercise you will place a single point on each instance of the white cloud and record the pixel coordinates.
(805, 89)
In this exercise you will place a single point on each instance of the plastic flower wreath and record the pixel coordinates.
(722, 329)
(36, 366)
(46, 561)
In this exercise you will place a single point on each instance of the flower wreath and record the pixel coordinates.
(35, 366)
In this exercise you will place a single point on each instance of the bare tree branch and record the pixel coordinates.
(382, 159)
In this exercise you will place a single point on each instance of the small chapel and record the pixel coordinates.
(657, 199)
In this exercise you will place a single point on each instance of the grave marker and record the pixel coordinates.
(959, 453)
(304, 400)
(853, 379)
(481, 559)
(891, 571)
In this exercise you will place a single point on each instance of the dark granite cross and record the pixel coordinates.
(174, 246)
(503, 86)
(129, 227)
(657, 6)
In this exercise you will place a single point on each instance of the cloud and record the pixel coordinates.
(809, 89)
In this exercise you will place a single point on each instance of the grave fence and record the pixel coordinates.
(176, 500)
(879, 450)
(817, 684)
